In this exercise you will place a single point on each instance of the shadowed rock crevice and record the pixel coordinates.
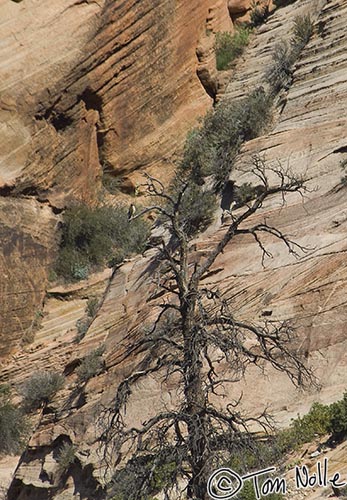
(85, 484)
(91, 100)
(6, 191)
(21, 491)
(211, 80)
(61, 121)
(342, 149)
(54, 474)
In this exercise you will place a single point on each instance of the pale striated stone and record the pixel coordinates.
(309, 134)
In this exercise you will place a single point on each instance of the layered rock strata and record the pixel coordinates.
(86, 86)
(308, 134)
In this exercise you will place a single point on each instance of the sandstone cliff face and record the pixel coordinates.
(27, 236)
(86, 85)
(308, 132)
(240, 10)
(96, 83)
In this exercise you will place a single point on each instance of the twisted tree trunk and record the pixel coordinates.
(195, 402)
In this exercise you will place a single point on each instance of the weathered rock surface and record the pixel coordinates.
(307, 136)
(308, 133)
(336, 463)
(96, 83)
(27, 240)
(240, 10)
(86, 84)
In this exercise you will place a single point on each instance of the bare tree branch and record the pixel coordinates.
(200, 335)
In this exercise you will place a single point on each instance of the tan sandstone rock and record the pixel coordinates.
(308, 133)
(86, 85)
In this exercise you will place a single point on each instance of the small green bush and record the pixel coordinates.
(82, 326)
(84, 323)
(250, 455)
(128, 481)
(118, 256)
(248, 493)
(199, 152)
(111, 183)
(92, 238)
(36, 325)
(302, 32)
(52, 275)
(247, 192)
(223, 49)
(228, 47)
(320, 420)
(40, 389)
(91, 365)
(254, 114)
(211, 149)
(280, 72)
(197, 210)
(13, 424)
(66, 456)
(338, 416)
(92, 307)
(304, 429)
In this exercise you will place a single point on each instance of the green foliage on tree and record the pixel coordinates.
(14, 426)
(211, 149)
(40, 388)
(91, 365)
(279, 74)
(230, 46)
(338, 416)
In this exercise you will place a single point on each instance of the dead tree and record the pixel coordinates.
(195, 331)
